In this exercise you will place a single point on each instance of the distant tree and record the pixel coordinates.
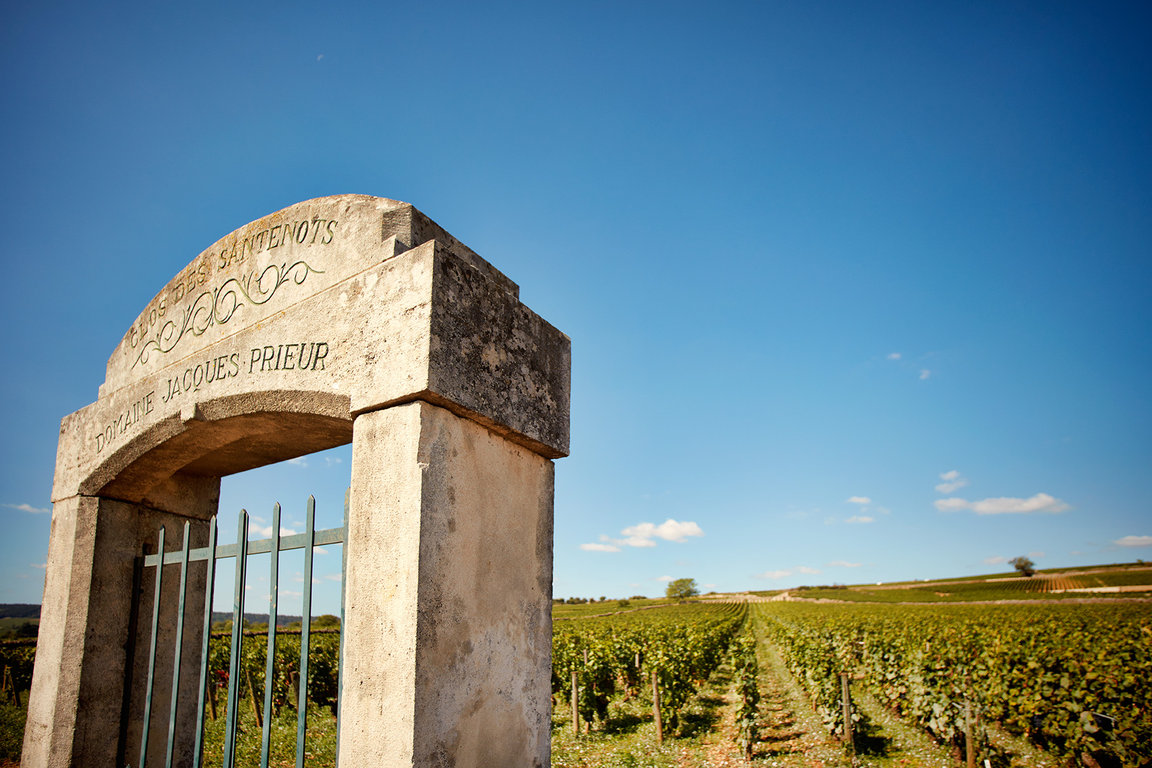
(681, 589)
(1022, 564)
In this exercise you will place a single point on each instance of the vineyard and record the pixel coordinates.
(1072, 679)
(999, 685)
(651, 683)
(665, 654)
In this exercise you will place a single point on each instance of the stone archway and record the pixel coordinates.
(342, 319)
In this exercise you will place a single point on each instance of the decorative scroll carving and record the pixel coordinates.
(218, 306)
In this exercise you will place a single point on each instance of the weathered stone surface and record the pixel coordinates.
(348, 325)
(267, 266)
(74, 707)
(342, 319)
(449, 611)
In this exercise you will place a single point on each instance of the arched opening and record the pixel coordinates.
(326, 475)
(259, 669)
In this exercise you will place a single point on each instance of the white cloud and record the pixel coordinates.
(645, 534)
(925, 374)
(266, 530)
(28, 508)
(664, 578)
(1134, 541)
(995, 560)
(843, 564)
(1005, 505)
(952, 482)
(806, 569)
(44, 565)
(894, 355)
(858, 500)
(299, 461)
(860, 519)
(669, 530)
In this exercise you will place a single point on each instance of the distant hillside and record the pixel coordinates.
(1126, 580)
(19, 611)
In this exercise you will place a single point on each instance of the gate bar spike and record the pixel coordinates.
(269, 669)
(340, 661)
(305, 631)
(179, 646)
(237, 643)
(198, 753)
(152, 655)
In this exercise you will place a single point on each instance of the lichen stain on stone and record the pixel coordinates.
(493, 356)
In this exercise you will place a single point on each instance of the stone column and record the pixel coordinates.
(448, 592)
(78, 687)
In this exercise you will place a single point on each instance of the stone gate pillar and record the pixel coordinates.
(341, 319)
(448, 597)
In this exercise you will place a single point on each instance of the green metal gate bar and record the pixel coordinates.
(211, 554)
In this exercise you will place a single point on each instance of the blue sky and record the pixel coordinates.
(856, 291)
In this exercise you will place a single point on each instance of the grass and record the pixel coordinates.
(11, 732)
(627, 739)
(320, 745)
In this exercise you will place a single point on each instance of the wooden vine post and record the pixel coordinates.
(969, 741)
(575, 705)
(255, 703)
(10, 686)
(846, 703)
(656, 707)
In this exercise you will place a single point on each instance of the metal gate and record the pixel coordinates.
(212, 554)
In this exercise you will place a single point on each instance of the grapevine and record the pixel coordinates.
(1070, 678)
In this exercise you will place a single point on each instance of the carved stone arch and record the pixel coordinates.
(341, 319)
